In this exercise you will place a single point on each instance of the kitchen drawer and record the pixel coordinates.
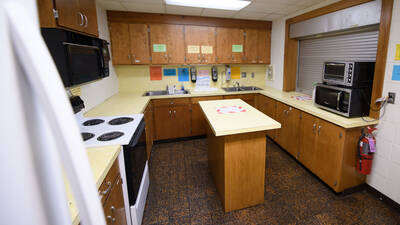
(170, 102)
(109, 181)
(198, 99)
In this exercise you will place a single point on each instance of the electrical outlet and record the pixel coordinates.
(253, 74)
(244, 74)
(391, 97)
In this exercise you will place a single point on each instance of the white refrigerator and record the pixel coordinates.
(40, 140)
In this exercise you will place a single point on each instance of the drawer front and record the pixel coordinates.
(243, 97)
(171, 102)
(197, 100)
(109, 180)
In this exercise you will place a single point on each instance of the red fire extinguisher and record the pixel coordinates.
(366, 150)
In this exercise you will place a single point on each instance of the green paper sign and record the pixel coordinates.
(159, 47)
(237, 48)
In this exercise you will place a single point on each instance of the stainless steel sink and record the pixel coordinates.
(242, 88)
(164, 92)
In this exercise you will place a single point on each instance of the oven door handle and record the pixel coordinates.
(137, 134)
(339, 95)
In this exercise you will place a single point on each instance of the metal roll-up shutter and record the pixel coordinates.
(314, 52)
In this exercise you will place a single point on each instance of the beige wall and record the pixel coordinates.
(137, 78)
(96, 92)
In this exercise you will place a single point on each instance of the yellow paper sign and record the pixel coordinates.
(235, 72)
(193, 49)
(206, 49)
(397, 56)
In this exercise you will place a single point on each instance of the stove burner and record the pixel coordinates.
(120, 120)
(86, 136)
(110, 136)
(93, 122)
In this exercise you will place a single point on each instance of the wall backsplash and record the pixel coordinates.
(134, 78)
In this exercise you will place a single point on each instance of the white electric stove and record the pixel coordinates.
(110, 130)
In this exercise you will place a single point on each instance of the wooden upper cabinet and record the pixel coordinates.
(159, 41)
(167, 44)
(264, 46)
(175, 44)
(77, 15)
(251, 46)
(203, 38)
(139, 43)
(229, 42)
(69, 14)
(120, 43)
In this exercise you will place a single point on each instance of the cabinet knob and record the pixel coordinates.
(319, 129)
(112, 219)
(174, 112)
(169, 112)
(108, 188)
(313, 127)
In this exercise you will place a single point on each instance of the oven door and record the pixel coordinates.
(135, 161)
(85, 63)
(335, 73)
(334, 99)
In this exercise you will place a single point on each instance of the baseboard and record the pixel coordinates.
(179, 139)
(382, 197)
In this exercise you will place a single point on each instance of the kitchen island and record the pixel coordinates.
(237, 151)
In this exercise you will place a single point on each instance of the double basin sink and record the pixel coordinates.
(183, 92)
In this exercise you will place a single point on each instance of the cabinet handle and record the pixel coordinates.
(112, 209)
(319, 129)
(86, 20)
(112, 219)
(170, 112)
(166, 56)
(82, 20)
(108, 188)
(171, 103)
(174, 112)
(313, 128)
(129, 56)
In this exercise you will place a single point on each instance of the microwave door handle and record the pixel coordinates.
(78, 45)
(339, 95)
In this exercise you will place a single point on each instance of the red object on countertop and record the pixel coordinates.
(366, 149)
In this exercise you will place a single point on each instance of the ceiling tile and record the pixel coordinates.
(181, 10)
(218, 13)
(288, 9)
(109, 5)
(250, 15)
(263, 7)
(144, 7)
(272, 16)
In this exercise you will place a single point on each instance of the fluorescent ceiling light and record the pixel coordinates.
(213, 4)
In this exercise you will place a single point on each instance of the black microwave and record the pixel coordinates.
(349, 102)
(78, 58)
(349, 74)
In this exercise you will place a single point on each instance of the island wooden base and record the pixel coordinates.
(237, 164)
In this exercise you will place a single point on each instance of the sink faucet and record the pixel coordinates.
(237, 83)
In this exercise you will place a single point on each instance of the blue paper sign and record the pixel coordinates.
(169, 72)
(183, 74)
(396, 72)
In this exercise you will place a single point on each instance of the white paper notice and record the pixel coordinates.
(203, 81)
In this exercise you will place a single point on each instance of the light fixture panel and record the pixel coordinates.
(234, 5)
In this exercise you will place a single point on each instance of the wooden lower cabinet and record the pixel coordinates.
(248, 98)
(288, 135)
(268, 107)
(148, 118)
(329, 151)
(199, 122)
(171, 118)
(114, 209)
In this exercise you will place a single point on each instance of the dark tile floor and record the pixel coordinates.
(182, 192)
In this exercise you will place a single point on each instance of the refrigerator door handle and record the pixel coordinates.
(44, 80)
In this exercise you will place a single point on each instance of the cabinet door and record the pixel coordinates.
(200, 36)
(328, 152)
(237, 39)
(291, 131)
(139, 43)
(181, 121)
(176, 44)
(114, 209)
(120, 43)
(263, 46)
(268, 107)
(199, 122)
(251, 46)
(148, 117)
(308, 137)
(281, 118)
(223, 45)
(159, 40)
(163, 125)
(88, 8)
(69, 14)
